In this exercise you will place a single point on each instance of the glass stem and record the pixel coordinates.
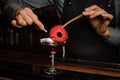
(63, 55)
(52, 60)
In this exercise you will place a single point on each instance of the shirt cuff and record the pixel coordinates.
(114, 37)
(10, 10)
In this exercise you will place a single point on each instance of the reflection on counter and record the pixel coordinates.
(28, 72)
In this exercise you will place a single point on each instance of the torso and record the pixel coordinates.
(83, 41)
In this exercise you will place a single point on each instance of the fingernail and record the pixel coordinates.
(45, 30)
(83, 13)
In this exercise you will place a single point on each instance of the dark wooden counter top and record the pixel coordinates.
(44, 61)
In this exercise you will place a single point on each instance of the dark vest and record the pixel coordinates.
(84, 42)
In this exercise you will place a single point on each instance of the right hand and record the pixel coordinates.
(25, 17)
(99, 19)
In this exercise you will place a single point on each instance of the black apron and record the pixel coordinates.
(84, 42)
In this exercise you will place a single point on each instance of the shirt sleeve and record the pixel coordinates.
(11, 6)
(114, 37)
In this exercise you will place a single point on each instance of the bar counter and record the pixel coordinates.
(37, 61)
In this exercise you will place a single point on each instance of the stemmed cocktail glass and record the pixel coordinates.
(53, 46)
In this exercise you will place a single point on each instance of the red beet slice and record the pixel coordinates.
(58, 33)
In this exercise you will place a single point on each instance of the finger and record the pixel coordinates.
(103, 28)
(88, 13)
(107, 18)
(35, 19)
(26, 18)
(38, 23)
(20, 20)
(14, 23)
(93, 7)
(91, 10)
(97, 13)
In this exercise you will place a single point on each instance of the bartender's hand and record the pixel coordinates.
(25, 17)
(100, 19)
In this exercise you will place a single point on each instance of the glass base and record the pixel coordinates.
(52, 71)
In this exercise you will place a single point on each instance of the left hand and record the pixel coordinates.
(99, 18)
